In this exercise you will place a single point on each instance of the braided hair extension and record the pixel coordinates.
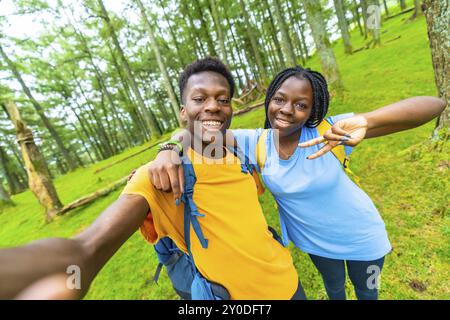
(321, 96)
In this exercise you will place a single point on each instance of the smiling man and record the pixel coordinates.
(242, 254)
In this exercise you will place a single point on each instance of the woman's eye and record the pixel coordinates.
(300, 106)
(278, 100)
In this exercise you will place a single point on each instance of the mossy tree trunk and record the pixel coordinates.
(343, 25)
(148, 114)
(253, 42)
(40, 111)
(315, 18)
(287, 41)
(161, 65)
(39, 179)
(437, 13)
(4, 196)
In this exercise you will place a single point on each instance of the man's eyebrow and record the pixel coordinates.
(203, 89)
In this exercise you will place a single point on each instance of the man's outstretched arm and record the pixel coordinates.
(42, 263)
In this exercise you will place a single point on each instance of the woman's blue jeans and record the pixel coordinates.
(363, 274)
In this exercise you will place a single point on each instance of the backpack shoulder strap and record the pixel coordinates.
(338, 151)
(261, 152)
(191, 212)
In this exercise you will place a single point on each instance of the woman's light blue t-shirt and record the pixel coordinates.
(322, 211)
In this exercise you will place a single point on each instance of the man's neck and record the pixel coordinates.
(209, 150)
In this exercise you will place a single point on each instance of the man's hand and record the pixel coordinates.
(350, 131)
(166, 173)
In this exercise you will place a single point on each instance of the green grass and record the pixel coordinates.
(406, 176)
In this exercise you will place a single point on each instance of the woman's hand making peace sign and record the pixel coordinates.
(350, 131)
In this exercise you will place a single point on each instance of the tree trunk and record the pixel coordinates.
(40, 111)
(374, 21)
(437, 13)
(386, 8)
(161, 65)
(4, 196)
(316, 21)
(287, 42)
(151, 120)
(417, 9)
(274, 32)
(5, 164)
(254, 44)
(402, 4)
(343, 26)
(174, 37)
(365, 17)
(357, 17)
(296, 35)
(205, 28)
(39, 179)
(219, 30)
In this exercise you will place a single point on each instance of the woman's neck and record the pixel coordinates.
(287, 144)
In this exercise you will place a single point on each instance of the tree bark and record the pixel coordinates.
(374, 21)
(402, 4)
(151, 120)
(316, 21)
(357, 17)
(4, 196)
(40, 111)
(417, 9)
(287, 42)
(205, 28)
(343, 26)
(437, 13)
(39, 179)
(219, 30)
(386, 9)
(254, 44)
(274, 32)
(161, 65)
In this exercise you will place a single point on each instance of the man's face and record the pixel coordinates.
(207, 105)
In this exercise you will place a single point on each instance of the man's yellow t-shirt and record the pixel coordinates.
(242, 254)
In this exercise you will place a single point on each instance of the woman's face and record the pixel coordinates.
(291, 105)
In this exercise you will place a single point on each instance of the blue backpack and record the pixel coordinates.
(185, 277)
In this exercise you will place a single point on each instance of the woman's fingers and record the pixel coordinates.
(312, 142)
(321, 152)
(338, 130)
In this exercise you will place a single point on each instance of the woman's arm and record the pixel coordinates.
(403, 115)
(42, 264)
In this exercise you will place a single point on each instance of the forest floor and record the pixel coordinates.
(405, 174)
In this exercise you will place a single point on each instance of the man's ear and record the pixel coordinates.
(183, 115)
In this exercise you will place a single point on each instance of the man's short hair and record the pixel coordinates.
(205, 64)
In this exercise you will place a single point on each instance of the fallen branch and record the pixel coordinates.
(126, 158)
(93, 196)
(396, 38)
(249, 108)
(400, 13)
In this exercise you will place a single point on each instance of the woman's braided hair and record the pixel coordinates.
(321, 96)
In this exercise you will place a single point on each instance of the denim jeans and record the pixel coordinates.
(300, 293)
(363, 275)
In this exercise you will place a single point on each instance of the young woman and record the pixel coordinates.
(322, 211)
